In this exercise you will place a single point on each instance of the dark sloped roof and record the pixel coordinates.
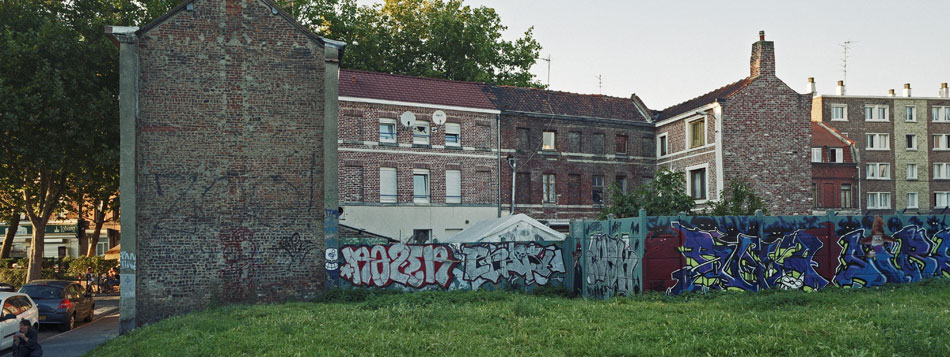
(532, 100)
(723, 92)
(396, 87)
(824, 135)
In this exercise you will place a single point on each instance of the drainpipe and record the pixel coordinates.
(498, 139)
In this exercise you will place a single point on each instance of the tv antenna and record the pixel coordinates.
(846, 45)
(600, 84)
(548, 60)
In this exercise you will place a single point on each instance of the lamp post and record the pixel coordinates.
(513, 163)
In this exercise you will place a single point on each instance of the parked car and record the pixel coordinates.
(16, 307)
(60, 302)
(7, 287)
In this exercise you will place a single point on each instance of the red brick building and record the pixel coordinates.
(834, 171)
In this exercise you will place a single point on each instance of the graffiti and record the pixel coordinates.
(127, 261)
(408, 265)
(533, 262)
(611, 263)
(295, 248)
(331, 255)
(128, 286)
(331, 221)
(240, 254)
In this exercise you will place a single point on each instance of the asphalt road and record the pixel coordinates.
(85, 336)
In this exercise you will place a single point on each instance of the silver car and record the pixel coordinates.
(16, 307)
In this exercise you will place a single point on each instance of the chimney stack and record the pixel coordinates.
(811, 86)
(763, 57)
(840, 89)
(944, 91)
(890, 93)
(907, 89)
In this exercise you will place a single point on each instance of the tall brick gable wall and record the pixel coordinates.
(229, 159)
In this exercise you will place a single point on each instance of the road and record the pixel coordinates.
(85, 336)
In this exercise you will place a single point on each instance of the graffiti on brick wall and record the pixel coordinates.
(451, 266)
(611, 264)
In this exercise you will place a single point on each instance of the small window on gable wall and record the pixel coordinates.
(453, 134)
(815, 154)
(697, 133)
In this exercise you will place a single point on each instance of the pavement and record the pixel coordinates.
(84, 337)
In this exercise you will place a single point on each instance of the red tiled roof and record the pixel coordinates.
(824, 135)
(403, 88)
(541, 101)
(723, 92)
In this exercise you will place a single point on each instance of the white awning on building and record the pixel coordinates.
(517, 228)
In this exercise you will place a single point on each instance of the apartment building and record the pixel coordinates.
(904, 164)
(834, 171)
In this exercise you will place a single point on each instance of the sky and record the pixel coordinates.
(669, 51)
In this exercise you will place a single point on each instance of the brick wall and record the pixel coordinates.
(229, 157)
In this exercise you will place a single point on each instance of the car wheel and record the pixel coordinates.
(92, 310)
(69, 324)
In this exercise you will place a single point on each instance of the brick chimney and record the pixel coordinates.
(763, 57)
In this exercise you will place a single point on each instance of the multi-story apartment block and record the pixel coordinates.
(834, 172)
(905, 158)
(756, 129)
(418, 157)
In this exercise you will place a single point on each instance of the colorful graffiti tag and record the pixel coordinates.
(611, 264)
(535, 263)
(408, 265)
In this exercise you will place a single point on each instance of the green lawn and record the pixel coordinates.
(909, 319)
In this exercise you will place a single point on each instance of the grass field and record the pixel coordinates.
(906, 319)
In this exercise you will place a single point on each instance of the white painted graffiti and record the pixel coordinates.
(127, 260)
(492, 262)
(331, 256)
(409, 265)
(611, 263)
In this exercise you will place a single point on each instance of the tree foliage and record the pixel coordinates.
(665, 195)
(738, 200)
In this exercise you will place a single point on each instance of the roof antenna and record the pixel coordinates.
(600, 84)
(846, 45)
(548, 60)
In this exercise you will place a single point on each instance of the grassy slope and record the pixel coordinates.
(910, 319)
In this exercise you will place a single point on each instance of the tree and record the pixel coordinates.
(665, 195)
(428, 38)
(738, 200)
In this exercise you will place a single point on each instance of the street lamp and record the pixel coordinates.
(513, 163)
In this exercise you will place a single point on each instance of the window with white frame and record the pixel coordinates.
(912, 200)
(836, 155)
(662, 145)
(387, 130)
(387, 185)
(941, 199)
(941, 141)
(697, 183)
(815, 154)
(839, 112)
(879, 200)
(453, 186)
(846, 195)
(911, 171)
(911, 142)
(597, 189)
(547, 140)
(420, 133)
(453, 133)
(879, 171)
(910, 113)
(878, 141)
(875, 112)
(549, 193)
(420, 186)
(940, 114)
(941, 171)
(696, 133)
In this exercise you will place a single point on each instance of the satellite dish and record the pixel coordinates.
(407, 119)
(438, 117)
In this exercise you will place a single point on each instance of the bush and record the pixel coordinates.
(17, 277)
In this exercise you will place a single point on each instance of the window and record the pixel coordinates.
(574, 141)
(101, 248)
(453, 134)
(621, 182)
(940, 141)
(420, 186)
(839, 112)
(524, 141)
(420, 133)
(879, 171)
(421, 236)
(941, 199)
(547, 141)
(662, 148)
(878, 142)
(815, 154)
(621, 144)
(911, 142)
(846, 195)
(549, 193)
(875, 112)
(597, 189)
(697, 184)
(387, 130)
(912, 200)
(911, 171)
(879, 200)
(453, 186)
(523, 187)
(696, 133)
(910, 113)
(387, 184)
(597, 144)
(940, 114)
(941, 171)
(836, 155)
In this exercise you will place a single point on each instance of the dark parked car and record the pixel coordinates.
(60, 302)
(7, 287)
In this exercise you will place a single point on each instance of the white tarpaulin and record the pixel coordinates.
(517, 228)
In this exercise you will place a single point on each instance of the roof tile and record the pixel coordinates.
(403, 88)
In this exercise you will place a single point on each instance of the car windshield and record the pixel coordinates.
(42, 291)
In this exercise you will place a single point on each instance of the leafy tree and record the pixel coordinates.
(738, 200)
(665, 195)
